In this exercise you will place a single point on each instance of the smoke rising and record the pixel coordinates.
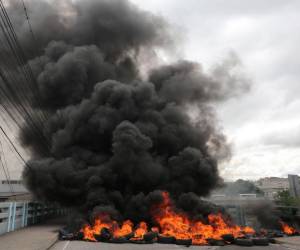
(266, 214)
(116, 140)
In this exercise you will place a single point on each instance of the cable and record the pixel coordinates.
(19, 53)
(15, 91)
(5, 170)
(14, 147)
(29, 23)
(27, 116)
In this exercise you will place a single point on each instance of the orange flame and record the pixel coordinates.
(169, 223)
(124, 230)
(117, 231)
(141, 230)
(181, 227)
(287, 229)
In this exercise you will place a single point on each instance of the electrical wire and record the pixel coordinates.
(5, 170)
(16, 93)
(13, 145)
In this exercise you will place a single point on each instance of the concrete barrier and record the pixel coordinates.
(16, 215)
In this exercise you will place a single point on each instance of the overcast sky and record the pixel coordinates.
(263, 125)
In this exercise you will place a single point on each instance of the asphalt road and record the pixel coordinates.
(79, 245)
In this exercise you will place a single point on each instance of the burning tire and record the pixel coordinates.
(104, 235)
(165, 239)
(150, 236)
(214, 242)
(260, 241)
(129, 236)
(244, 242)
(120, 240)
(183, 242)
(139, 242)
(228, 238)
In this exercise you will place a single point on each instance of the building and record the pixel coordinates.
(272, 185)
(13, 189)
(237, 206)
(294, 182)
(243, 206)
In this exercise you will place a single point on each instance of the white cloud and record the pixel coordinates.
(265, 35)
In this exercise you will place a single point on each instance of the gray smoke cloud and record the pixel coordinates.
(117, 140)
(266, 213)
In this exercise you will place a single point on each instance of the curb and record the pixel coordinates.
(52, 243)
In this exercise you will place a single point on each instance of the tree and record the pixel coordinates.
(284, 198)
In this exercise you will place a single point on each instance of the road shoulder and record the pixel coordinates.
(38, 237)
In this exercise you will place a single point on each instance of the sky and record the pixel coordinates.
(262, 125)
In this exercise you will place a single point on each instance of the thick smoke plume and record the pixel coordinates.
(117, 139)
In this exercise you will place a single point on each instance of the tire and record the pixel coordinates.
(244, 242)
(260, 241)
(166, 239)
(228, 238)
(184, 242)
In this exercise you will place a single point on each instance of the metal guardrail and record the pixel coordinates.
(16, 215)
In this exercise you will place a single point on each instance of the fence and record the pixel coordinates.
(15, 215)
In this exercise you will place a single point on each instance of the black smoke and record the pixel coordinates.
(266, 213)
(117, 138)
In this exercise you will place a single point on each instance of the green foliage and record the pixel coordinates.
(284, 198)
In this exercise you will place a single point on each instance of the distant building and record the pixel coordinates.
(272, 185)
(237, 206)
(13, 189)
(240, 199)
(294, 182)
(240, 204)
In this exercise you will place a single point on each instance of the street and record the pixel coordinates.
(80, 245)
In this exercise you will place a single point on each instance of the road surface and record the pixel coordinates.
(38, 237)
(79, 245)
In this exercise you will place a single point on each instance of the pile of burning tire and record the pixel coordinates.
(152, 237)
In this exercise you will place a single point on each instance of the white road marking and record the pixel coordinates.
(65, 247)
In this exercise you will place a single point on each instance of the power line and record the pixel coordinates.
(17, 95)
(10, 93)
(32, 34)
(18, 53)
(17, 48)
(5, 169)
(13, 145)
(29, 22)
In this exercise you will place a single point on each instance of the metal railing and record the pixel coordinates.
(16, 215)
